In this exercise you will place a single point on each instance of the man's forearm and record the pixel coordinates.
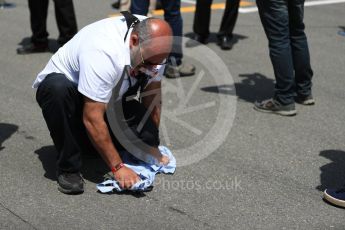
(156, 115)
(100, 137)
(152, 100)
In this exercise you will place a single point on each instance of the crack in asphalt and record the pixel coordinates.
(16, 215)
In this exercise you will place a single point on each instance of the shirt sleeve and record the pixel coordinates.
(97, 75)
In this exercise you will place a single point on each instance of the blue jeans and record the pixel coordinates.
(172, 15)
(283, 24)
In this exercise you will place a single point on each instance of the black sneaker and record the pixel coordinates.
(116, 5)
(225, 42)
(305, 100)
(70, 183)
(335, 196)
(273, 106)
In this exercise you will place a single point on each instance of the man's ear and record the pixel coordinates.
(134, 39)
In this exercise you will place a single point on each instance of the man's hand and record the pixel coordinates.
(164, 160)
(126, 177)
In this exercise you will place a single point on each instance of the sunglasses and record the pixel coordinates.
(148, 63)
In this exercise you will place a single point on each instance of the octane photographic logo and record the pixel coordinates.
(197, 111)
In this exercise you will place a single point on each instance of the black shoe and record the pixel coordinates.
(225, 42)
(116, 5)
(305, 100)
(70, 183)
(33, 48)
(196, 40)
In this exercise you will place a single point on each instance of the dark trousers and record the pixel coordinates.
(62, 108)
(65, 18)
(283, 24)
(172, 15)
(202, 17)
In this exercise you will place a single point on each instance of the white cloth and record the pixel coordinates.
(146, 172)
(94, 59)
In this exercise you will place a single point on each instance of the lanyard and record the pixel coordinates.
(131, 21)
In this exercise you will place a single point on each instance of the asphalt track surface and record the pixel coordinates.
(267, 173)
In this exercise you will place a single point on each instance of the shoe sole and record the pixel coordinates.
(35, 52)
(282, 113)
(333, 200)
(226, 48)
(70, 191)
(307, 102)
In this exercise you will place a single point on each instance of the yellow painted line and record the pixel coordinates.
(191, 9)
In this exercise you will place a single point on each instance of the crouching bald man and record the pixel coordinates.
(74, 88)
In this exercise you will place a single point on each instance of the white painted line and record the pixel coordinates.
(189, 1)
(247, 10)
(325, 2)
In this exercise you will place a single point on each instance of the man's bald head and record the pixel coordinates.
(155, 37)
(152, 27)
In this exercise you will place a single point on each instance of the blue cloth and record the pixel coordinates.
(342, 33)
(146, 172)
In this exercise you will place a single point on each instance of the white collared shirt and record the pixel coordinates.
(94, 59)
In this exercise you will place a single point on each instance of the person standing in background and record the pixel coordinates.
(175, 68)
(124, 5)
(283, 24)
(202, 23)
(65, 19)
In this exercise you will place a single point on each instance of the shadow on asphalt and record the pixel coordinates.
(127, 193)
(332, 174)
(47, 155)
(214, 39)
(52, 43)
(253, 87)
(93, 168)
(6, 131)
